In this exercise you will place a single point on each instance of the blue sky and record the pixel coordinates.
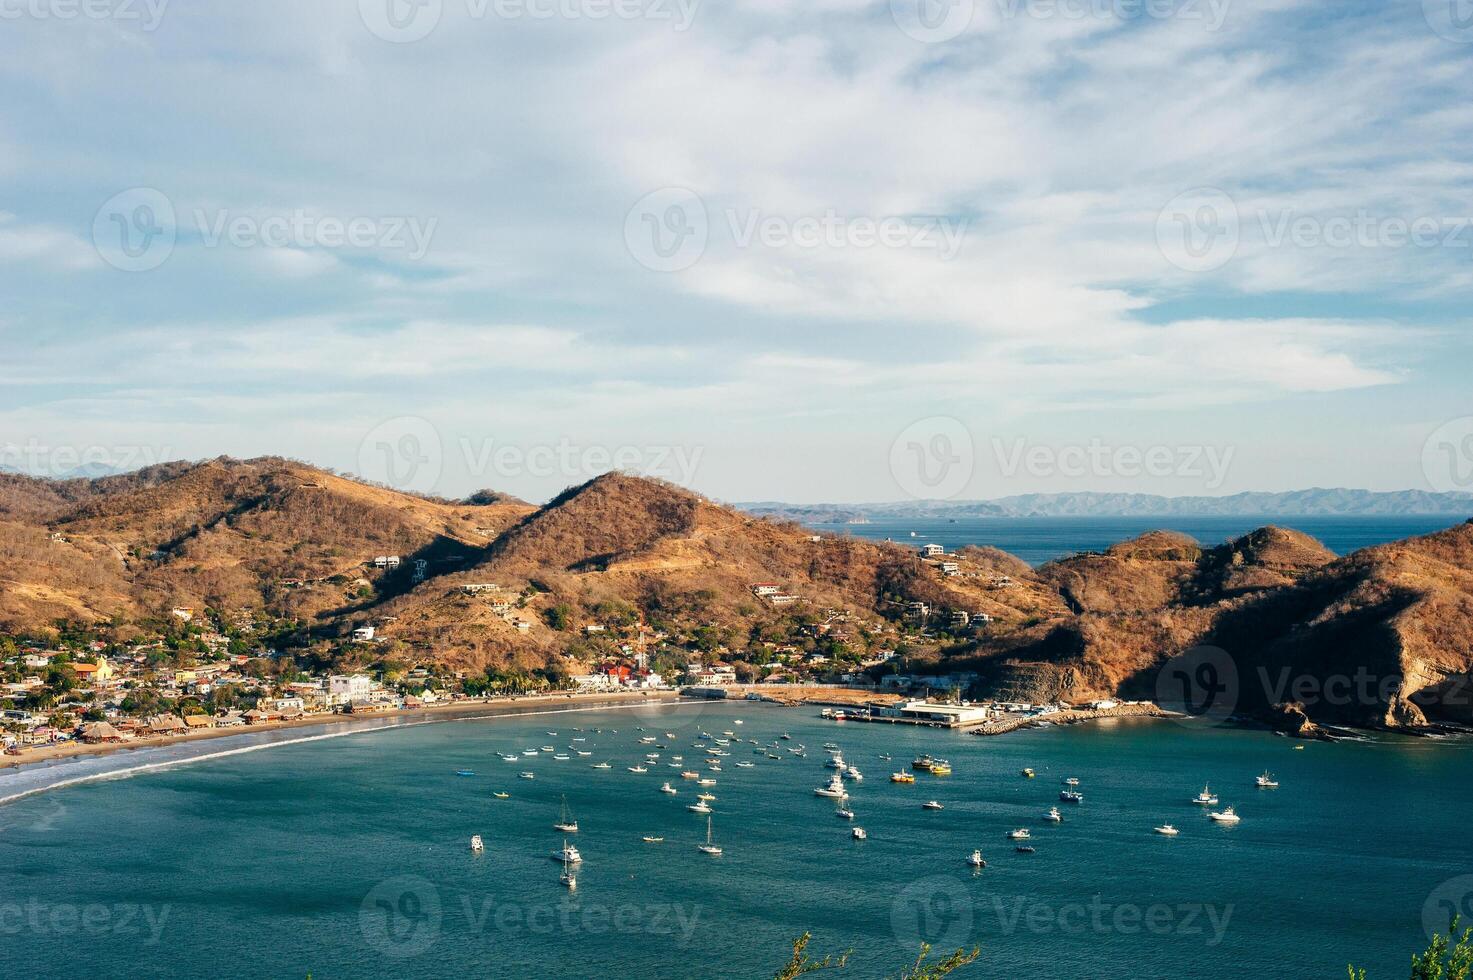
(770, 250)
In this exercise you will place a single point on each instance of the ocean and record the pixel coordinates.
(1040, 539)
(348, 856)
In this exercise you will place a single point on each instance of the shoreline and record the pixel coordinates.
(49, 756)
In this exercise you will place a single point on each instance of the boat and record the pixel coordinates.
(901, 777)
(844, 813)
(553, 734)
(853, 773)
(858, 834)
(1071, 781)
(1298, 748)
(549, 748)
(1053, 815)
(568, 855)
(785, 736)
(836, 761)
(568, 880)
(654, 840)
(709, 847)
(1028, 774)
(1026, 849)
(565, 821)
(1228, 815)
(527, 775)
(1069, 796)
(649, 740)
(509, 756)
(1267, 781)
(562, 758)
(941, 768)
(1022, 833)
(529, 751)
(465, 772)
(582, 753)
(601, 765)
(705, 782)
(667, 788)
(923, 762)
(700, 806)
(834, 790)
(477, 844)
(688, 774)
(931, 805)
(1167, 830)
(831, 746)
(637, 768)
(745, 765)
(708, 797)
(502, 796)
(1206, 797)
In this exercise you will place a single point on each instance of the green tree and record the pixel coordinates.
(1447, 957)
(801, 964)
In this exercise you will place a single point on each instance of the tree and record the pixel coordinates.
(559, 617)
(800, 964)
(1447, 957)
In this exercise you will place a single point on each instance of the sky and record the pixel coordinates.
(813, 251)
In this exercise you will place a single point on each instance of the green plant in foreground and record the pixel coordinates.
(801, 964)
(1447, 957)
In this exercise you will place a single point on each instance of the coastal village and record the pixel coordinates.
(210, 670)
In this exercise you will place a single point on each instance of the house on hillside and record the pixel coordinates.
(932, 551)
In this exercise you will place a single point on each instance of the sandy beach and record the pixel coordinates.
(460, 709)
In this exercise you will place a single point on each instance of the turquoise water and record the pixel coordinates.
(348, 857)
(1040, 539)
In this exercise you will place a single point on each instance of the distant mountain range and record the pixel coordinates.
(1315, 502)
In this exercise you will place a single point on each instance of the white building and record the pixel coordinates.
(932, 551)
(344, 689)
(363, 634)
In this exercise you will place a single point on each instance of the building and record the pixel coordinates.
(98, 673)
(932, 551)
(950, 568)
(926, 712)
(764, 589)
(344, 689)
(960, 618)
(363, 634)
(476, 588)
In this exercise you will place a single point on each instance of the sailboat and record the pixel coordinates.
(569, 880)
(565, 821)
(708, 847)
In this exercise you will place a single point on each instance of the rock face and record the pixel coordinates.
(1380, 637)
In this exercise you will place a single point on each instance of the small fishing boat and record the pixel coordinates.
(1069, 796)
(708, 797)
(931, 805)
(502, 796)
(1022, 833)
(667, 788)
(705, 782)
(745, 765)
(509, 756)
(1228, 815)
(527, 775)
(549, 748)
(1267, 781)
(637, 768)
(858, 834)
(785, 736)
(844, 813)
(700, 806)
(1028, 773)
(1167, 830)
(562, 758)
(1206, 797)
(529, 751)
(1053, 815)
(901, 777)
(688, 774)
(477, 844)
(1071, 781)
(653, 840)
(600, 765)
(465, 772)
(923, 762)
(941, 768)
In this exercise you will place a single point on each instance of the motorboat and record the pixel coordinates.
(901, 777)
(1053, 815)
(844, 813)
(465, 772)
(1028, 773)
(637, 768)
(931, 805)
(1167, 830)
(568, 855)
(502, 796)
(667, 788)
(858, 834)
(1206, 797)
(700, 806)
(527, 775)
(975, 859)
(1070, 796)
(1267, 781)
(1022, 833)
(477, 844)
(834, 790)
(1026, 849)
(1071, 781)
(1228, 815)
(653, 840)
(601, 765)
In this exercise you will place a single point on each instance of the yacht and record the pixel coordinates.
(1069, 796)
(836, 761)
(1167, 830)
(1267, 781)
(601, 765)
(858, 834)
(1206, 797)
(853, 773)
(901, 777)
(975, 860)
(667, 788)
(477, 844)
(565, 821)
(700, 806)
(1228, 815)
(931, 805)
(1053, 815)
(709, 847)
(834, 790)
(1021, 833)
(568, 855)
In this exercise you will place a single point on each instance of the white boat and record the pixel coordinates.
(527, 775)
(708, 797)
(509, 756)
(1267, 781)
(637, 769)
(1167, 830)
(853, 773)
(477, 844)
(709, 847)
(745, 765)
(601, 765)
(562, 758)
(705, 782)
(568, 855)
(565, 821)
(844, 813)
(931, 805)
(549, 748)
(529, 751)
(975, 860)
(1020, 834)
(834, 790)
(667, 788)
(569, 880)
(836, 761)
(1053, 815)
(654, 840)
(1206, 797)
(700, 806)
(1228, 815)
(858, 834)
(1071, 781)
(582, 753)
(1070, 796)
